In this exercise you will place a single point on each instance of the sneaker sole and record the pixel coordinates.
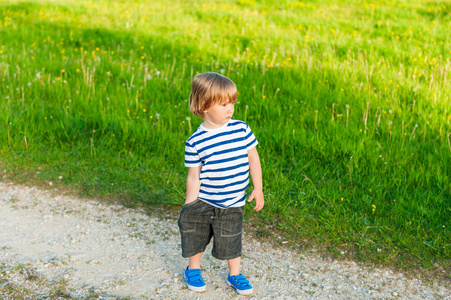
(196, 288)
(241, 292)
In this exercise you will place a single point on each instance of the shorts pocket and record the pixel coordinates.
(193, 202)
(184, 222)
(189, 215)
(232, 223)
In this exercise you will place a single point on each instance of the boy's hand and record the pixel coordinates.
(259, 199)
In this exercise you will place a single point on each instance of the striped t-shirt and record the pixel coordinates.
(222, 153)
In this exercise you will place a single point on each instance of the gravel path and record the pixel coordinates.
(54, 246)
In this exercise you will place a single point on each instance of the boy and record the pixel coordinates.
(220, 153)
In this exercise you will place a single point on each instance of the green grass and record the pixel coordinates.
(349, 102)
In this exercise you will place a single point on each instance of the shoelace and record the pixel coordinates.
(241, 280)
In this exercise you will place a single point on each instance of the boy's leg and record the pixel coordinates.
(193, 275)
(234, 266)
(194, 261)
(195, 229)
(194, 223)
(228, 225)
(236, 279)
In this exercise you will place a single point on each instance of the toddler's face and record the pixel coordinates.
(219, 114)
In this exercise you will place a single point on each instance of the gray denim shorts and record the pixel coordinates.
(200, 221)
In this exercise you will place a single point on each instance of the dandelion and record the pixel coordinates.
(157, 115)
(189, 122)
(374, 207)
(449, 144)
(38, 75)
(341, 198)
(9, 136)
(347, 114)
(416, 125)
(245, 113)
(402, 127)
(144, 110)
(333, 111)
(390, 123)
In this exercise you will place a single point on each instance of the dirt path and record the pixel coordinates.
(54, 246)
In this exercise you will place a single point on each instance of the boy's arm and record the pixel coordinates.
(256, 174)
(192, 184)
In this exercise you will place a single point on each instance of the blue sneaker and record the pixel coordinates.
(194, 280)
(240, 283)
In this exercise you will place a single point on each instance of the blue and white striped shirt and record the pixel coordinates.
(222, 153)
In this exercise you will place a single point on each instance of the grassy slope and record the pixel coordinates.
(347, 100)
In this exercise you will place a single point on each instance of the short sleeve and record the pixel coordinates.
(192, 158)
(251, 141)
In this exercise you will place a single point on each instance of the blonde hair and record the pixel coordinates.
(209, 89)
